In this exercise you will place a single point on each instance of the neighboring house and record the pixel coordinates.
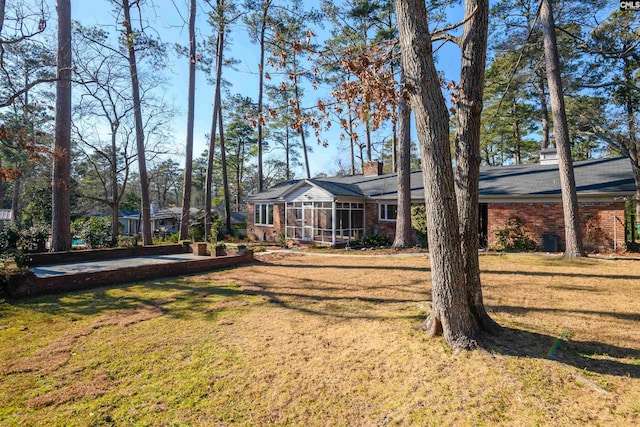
(6, 215)
(165, 220)
(336, 210)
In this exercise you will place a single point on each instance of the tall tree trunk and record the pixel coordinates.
(225, 176)
(214, 122)
(115, 199)
(352, 143)
(515, 129)
(469, 111)
(631, 129)
(287, 153)
(403, 236)
(450, 313)
(2, 188)
(137, 113)
(2, 8)
(265, 12)
(188, 163)
(61, 204)
(544, 111)
(561, 134)
(367, 129)
(15, 199)
(302, 136)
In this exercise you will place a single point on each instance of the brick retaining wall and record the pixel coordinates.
(30, 285)
(45, 258)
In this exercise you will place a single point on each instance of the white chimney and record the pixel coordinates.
(549, 156)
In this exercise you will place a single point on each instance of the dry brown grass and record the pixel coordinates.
(329, 340)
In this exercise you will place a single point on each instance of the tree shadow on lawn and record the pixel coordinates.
(135, 295)
(561, 274)
(591, 356)
(344, 267)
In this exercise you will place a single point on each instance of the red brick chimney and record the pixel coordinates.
(372, 168)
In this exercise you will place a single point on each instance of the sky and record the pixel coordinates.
(168, 21)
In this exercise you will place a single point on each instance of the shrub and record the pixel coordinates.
(514, 237)
(9, 237)
(14, 242)
(95, 231)
(373, 241)
(419, 223)
(127, 241)
(282, 238)
(10, 275)
(34, 238)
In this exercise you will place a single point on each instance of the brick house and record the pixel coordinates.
(336, 210)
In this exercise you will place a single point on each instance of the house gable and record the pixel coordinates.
(308, 193)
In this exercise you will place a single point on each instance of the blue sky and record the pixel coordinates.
(168, 22)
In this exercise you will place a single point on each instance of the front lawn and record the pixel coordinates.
(323, 340)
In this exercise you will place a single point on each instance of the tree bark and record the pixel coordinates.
(265, 11)
(302, 137)
(467, 142)
(352, 143)
(115, 197)
(61, 204)
(188, 164)
(632, 149)
(403, 236)
(2, 9)
(225, 177)
(544, 111)
(15, 198)
(137, 113)
(214, 123)
(450, 311)
(573, 237)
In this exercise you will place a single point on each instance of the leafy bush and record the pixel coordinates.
(14, 242)
(34, 238)
(282, 238)
(514, 237)
(9, 237)
(128, 241)
(95, 231)
(10, 275)
(419, 224)
(373, 241)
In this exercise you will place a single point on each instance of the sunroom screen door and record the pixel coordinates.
(307, 221)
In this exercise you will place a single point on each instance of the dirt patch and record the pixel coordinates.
(93, 388)
(129, 317)
(46, 360)
(55, 355)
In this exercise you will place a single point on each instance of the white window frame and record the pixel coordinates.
(383, 212)
(258, 214)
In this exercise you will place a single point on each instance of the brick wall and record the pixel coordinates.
(29, 285)
(385, 228)
(265, 233)
(374, 225)
(601, 223)
(107, 253)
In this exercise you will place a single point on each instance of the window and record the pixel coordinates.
(388, 212)
(263, 214)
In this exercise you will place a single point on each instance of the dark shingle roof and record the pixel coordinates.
(593, 177)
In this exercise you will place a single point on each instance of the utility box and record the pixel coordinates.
(550, 242)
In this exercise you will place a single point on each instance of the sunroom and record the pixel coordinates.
(325, 213)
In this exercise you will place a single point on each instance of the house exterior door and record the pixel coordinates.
(307, 221)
